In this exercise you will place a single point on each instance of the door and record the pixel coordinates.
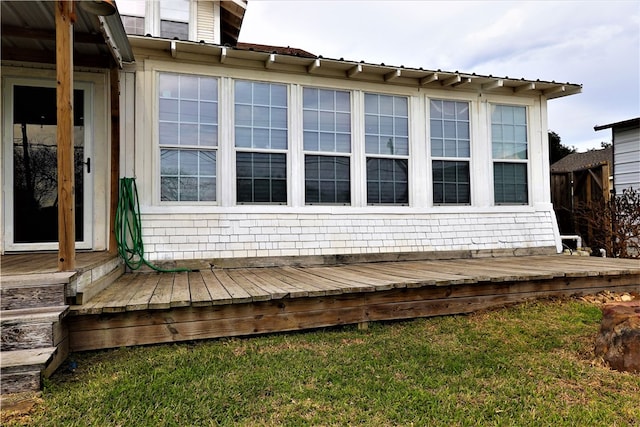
(31, 184)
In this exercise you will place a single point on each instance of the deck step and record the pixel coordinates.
(34, 290)
(31, 328)
(21, 370)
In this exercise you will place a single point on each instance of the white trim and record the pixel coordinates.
(7, 148)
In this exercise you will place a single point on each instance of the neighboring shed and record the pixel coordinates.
(579, 178)
(625, 139)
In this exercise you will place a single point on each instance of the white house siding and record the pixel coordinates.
(208, 19)
(626, 158)
(224, 229)
(205, 236)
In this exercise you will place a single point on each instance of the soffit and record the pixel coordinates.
(28, 34)
(340, 68)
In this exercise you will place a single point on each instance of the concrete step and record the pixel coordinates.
(21, 370)
(34, 290)
(31, 328)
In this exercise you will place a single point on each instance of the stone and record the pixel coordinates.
(618, 341)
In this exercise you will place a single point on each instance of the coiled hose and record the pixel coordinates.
(128, 228)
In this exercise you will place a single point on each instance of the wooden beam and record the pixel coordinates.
(462, 82)
(354, 71)
(174, 49)
(525, 87)
(392, 75)
(452, 80)
(269, 62)
(64, 16)
(223, 55)
(554, 90)
(42, 34)
(114, 178)
(428, 79)
(314, 66)
(493, 85)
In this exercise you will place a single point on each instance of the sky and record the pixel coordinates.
(593, 43)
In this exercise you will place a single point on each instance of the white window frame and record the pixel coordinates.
(159, 147)
(526, 162)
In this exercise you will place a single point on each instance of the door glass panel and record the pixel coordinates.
(35, 173)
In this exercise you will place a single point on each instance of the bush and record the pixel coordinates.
(613, 225)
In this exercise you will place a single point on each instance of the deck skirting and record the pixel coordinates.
(402, 300)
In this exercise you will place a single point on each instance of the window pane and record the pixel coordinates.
(510, 183)
(188, 116)
(370, 103)
(387, 131)
(327, 111)
(168, 133)
(168, 85)
(257, 119)
(169, 110)
(243, 92)
(169, 162)
(387, 181)
(449, 128)
(261, 93)
(327, 179)
(261, 178)
(450, 182)
(188, 134)
(279, 95)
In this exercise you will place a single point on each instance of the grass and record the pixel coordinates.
(529, 364)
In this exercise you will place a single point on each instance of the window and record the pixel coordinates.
(509, 143)
(387, 148)
(261, 142)
(450, 151)
(174, 19)
(132, 13)
(327, 146)
(188, 137)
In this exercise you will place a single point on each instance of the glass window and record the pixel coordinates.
(327, 179)
(450, 182)
(327, 134)
(174, 19)
(510, 153)
(261, 177)
(450, 151)
(387, 147)
(188, 137)
(260, 130)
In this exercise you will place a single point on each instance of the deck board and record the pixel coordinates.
(140, 291)
(180, 293)
(199, 292)
(140, 299)
(161, 297)
(147, 308)
(234, 289)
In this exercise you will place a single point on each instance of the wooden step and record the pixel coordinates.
(31, 328)
(21, 370)
(34, 290)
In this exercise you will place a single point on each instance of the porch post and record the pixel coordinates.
(115, 157)
(64, 95)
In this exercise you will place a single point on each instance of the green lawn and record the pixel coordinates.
(530, 364)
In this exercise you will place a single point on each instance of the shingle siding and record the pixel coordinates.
(181, 237)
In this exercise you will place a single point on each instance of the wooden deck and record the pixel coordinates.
(147, 308)
(47, 262)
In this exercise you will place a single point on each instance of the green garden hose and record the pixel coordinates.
(128, 228)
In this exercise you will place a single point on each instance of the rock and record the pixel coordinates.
(618, 341)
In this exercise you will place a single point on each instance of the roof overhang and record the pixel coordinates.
(28, 35)
(362, 71)
(231, 16)
(631, 123)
